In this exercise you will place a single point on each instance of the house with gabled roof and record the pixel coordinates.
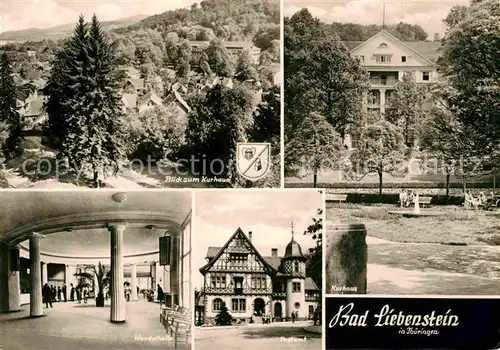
(387, 59)
(253, 285)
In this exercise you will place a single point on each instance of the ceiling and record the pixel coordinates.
(20, 209)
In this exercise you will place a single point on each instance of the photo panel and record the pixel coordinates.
(387, 126)
(257, 269)
(96, 269)
(145, 94)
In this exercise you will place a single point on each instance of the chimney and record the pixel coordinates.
(436, 37)
(274, 252)
(250, 235)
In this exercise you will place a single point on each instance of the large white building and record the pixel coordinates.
(387, 59)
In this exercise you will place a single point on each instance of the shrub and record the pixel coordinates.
(223, 318)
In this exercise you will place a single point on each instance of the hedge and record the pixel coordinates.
(412, 185)
(394, 199)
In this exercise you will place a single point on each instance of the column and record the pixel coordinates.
(45, 276)
(36, 306)
(67, 281)
(117, 289)
(4, 277)
(382, 101)
(133, 282)
(14, 283)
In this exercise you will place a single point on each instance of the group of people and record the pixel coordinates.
(480, 201)
(128, 292)
(52, 294)
(406, 197)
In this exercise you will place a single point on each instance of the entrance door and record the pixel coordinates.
(277, 310)
(259, 307)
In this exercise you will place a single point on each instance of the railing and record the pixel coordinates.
(312, 298)
(279, 294)
(389, 81)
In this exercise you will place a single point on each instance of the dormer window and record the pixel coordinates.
(383, 58)
(383, 46)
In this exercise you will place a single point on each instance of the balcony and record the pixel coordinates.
(279, 295)
(312, 298)
(383, 81)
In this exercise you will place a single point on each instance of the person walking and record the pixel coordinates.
(293, 316)
(85, 295)
(59, 291)
(79, 295)
(72, 292)
(64, 290)
(161, 295)
(47, 295)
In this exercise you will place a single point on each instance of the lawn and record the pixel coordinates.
(456, 253)
(456, 226)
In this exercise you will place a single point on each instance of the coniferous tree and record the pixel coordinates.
(84, 104)
(12, 145)
(223, 318)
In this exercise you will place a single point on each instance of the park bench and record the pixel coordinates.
(423, 201)
(336, 197)
(177, 322)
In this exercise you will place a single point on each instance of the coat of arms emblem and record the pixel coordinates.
(253, 160)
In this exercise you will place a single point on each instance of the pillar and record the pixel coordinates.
(117, 290)
(4, 277)
(382, 102)
(36, 305)
(133, 282)
(346, 259)
(45, 276)
(14, 283)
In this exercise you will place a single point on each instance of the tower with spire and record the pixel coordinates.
(293, 265)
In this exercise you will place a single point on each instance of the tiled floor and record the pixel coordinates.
(84, 326)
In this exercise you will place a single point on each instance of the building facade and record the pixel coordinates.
(387, 59)
(253, 286)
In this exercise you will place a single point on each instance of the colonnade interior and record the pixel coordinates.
(53, 237)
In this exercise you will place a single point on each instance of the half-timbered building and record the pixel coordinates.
(252, 285)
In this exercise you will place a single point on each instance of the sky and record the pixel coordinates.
(429, 14)
(24, 14)
(268, 214)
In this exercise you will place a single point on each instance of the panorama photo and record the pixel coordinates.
(393, 107)
(144, 94)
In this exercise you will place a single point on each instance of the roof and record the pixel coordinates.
(150, 96)
(428, 49)
(227, 44)
(221, 250)
(310, 285)
(129, 100)
(293, 250)
(136, 82)
(35, 108)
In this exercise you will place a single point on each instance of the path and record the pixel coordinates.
(276, 336)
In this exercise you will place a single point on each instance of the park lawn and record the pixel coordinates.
(456, 227)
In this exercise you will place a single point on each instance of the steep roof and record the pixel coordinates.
(310, 285)
(129, 100)
(221, 250)
(35, 108)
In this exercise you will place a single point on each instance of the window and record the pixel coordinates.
(297, 305)
(259, 282)
(296, 287)
(238, 282)
(403, 58)
(311, 310)
(217, 304)
(426, 76)
(383, 58)
(238, 261)
(296, 266)
(238, 305)
(374, 97)
(361, 58)
(218, 281)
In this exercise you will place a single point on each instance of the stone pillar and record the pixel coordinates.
(4, 277)
(382, 102)
(346, 259)
(45, 276)
(133, 282)
(36, 305)
(117, 289)
(14, 284)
